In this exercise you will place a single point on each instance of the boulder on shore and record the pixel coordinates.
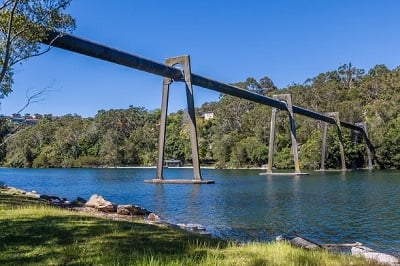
(33, 194)
(356, 249)
(99, 203)
(192, 227)
(298, 241)
(131, 210)
(52, 199)
(371, 254)
(153, 217)
(78, 202)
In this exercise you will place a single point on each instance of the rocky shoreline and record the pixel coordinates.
(355, 249)
(98, 206)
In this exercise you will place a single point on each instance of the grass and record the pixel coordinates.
(33, 233)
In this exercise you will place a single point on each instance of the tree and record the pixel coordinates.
(238, 136)
(389, 152)
(349, 75)
(229, 113)
(23, 24)
(263, 86)
(267, 85)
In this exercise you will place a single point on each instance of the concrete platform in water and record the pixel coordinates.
(333, 170)
(285, 174)
(178, 181)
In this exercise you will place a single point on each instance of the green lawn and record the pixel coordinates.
(36, 234)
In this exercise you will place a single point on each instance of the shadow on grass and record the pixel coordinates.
(11, 200)
(68, 238)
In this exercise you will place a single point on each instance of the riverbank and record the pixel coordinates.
(185, 167)
(35, 233)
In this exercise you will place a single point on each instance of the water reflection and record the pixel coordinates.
(343, 175)
(160, 200)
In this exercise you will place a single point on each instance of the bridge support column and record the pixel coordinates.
(287, 99)
(163, 127)
(197, 179)
(323, 148)
(355, 142)
(335, 116)
(271, 141)
(369, 156)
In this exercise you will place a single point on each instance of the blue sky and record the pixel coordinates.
(289, 41)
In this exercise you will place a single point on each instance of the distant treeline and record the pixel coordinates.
(237, 136)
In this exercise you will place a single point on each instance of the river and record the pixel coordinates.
(331, 207)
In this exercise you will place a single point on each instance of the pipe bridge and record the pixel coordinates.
(170, 73)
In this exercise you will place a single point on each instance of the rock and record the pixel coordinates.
(96, 201)
(353, 248)
(131, 210)
(374, 255)
(99, 203)
(303, 243)
(107, 208)
(81, 200)
(52, 199)
(140, 211)
(298, 241)
(78, 202)
(3, 185)
(281, 238)
(33, 195)
(192, 227)
(153, 217)
(124, 209)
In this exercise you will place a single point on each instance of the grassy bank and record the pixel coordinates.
(34, 233)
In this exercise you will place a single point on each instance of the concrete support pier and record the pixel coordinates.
(369, 155)
(178, 181)
(287, 100)
(335, 116)
(184, 61)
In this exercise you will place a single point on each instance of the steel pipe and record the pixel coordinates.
(75, 44)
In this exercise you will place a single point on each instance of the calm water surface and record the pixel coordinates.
(242, 205)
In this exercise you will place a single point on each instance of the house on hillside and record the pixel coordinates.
(26, 120)
(207, 115)
(31, 121)
(37, 116)
(17, 120)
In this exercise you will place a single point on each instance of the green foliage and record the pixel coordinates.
(389, 152)
(115, 137)
(177, 140)
(87, 161)
(283, 159)
(238, 136)
(23, 24)
(222, 149)
(239, 156)
(310, 151)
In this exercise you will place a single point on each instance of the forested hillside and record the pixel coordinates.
(236, 137)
